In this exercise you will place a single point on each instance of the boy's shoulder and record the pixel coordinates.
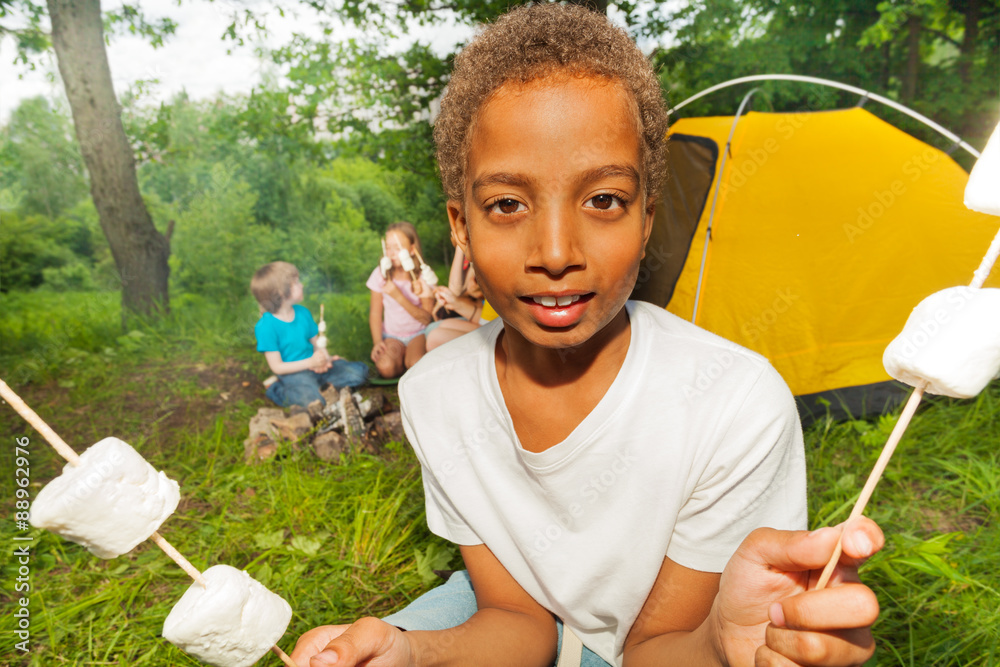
(667, 331)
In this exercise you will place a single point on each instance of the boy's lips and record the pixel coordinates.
(557, 310)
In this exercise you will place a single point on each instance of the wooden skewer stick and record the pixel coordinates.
(39, 425)
(284, 656)
(978, 279)
(73, 458)
(873, 479)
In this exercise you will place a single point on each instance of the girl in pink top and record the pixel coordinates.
(400, 307)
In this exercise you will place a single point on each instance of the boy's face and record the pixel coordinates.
(296, 293)
(554, 219)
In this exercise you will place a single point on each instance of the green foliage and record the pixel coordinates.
(73, 277)
(38, 153)
(217, 242)
(30, 245)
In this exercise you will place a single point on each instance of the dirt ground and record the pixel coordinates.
(155, 405)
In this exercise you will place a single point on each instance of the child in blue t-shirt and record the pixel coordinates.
(287, 334)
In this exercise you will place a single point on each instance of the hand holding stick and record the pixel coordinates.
(978, 279)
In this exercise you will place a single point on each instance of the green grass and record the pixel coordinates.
(340, 541)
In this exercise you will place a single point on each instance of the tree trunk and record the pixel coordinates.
(139, 250)
(912, 58)
(969, 43)
(966, 62)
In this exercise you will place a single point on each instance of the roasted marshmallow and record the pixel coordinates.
(109, 503)
(231, 622)
(951, 340)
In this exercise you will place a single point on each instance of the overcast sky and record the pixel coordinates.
(194, 59)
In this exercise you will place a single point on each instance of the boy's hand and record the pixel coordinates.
(320, 361)
(369, 642)
(765, 591)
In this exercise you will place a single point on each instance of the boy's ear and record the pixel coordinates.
(459, 228)
(647, 225)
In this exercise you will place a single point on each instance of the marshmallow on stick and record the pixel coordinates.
(321, 339)
(426, 272)
(983, 190)
(406, 261)
(109, 502)
(232, 621)
(385, 262)
(951, 340)
(981, 194)
(77, 461)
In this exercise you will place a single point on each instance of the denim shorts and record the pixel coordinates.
(405, 340)
(451, 604)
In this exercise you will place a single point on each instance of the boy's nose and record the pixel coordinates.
(557, 245)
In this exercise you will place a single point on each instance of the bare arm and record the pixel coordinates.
(455, 278)
(672, 620)
(278, 367)
(766, 611)
(375, 317)
(510, 629)
(421, 313)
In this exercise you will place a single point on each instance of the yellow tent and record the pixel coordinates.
(828, 228)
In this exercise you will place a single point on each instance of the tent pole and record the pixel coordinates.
(715, 198)
(833, 84)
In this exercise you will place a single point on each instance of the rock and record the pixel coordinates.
(267, 451)
(329, 446)
(331, 394)
(260, 424)
(354, 425)
(259, 448)
(315, 410)
(294, 427)
(389, 427)
(372, 405)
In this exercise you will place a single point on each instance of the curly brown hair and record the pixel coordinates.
(531, 42)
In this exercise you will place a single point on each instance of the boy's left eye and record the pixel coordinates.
(605, 202)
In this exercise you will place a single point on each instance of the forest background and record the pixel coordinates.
(310, 167)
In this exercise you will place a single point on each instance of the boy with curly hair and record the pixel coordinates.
(591, 496)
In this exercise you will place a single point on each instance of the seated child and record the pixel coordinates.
(593, 490)
(286, 334)
(400, 307)
(465, 305)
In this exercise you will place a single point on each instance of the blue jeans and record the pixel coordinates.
(451, 604)
(302, 388)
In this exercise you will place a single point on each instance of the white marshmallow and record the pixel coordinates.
(983, 191)
(385, 264)
(951, 340)
(321, 326)
(405, 260)
(321, 341)
(109, 503)
(428, 275)
(231, 623)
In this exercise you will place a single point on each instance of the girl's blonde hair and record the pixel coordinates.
(272, 284)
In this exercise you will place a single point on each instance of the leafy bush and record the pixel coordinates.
(70, 277)
(217, 245)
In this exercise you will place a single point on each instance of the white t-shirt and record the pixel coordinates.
(696, 443)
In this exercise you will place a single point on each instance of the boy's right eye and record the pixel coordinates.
(506, 206)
